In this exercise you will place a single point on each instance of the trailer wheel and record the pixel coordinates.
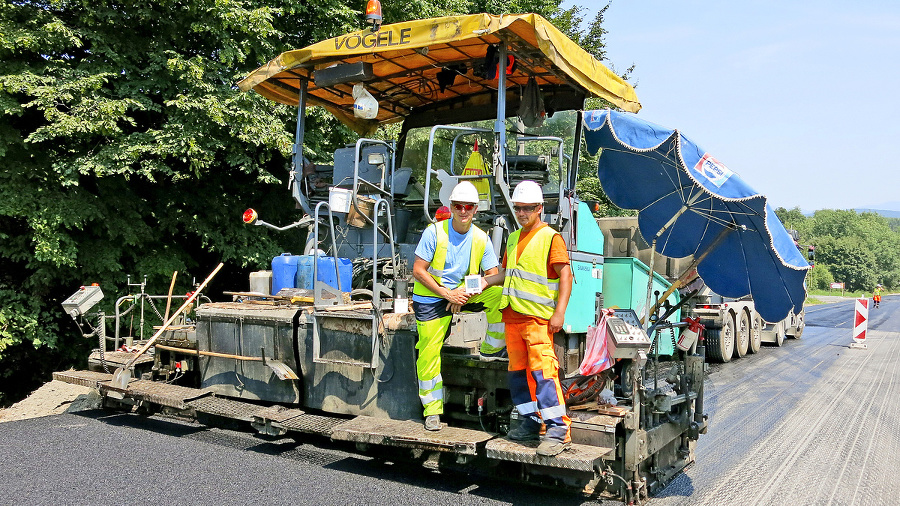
(720, 342)
(779, 333)
(742, 334)
(755, 333)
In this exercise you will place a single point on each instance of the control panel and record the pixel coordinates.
(83, 300)
(624, 334)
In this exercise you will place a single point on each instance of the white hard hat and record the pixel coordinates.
(464, 192)
(528, 192)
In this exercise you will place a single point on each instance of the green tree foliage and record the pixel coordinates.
(848, 261)
(127, 148)
(858, 249)
(819, 278)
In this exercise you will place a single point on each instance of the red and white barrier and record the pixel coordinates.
(859, 324)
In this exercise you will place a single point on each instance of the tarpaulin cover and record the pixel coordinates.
(406, 58)
(672, 181)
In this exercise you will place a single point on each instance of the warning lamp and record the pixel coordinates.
(443, 213)
(373, 14)
(250, 216)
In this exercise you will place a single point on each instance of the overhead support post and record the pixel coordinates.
(576, 150)
(297, 162)
(500, 127)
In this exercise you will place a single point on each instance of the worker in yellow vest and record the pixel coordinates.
(537, 282)
(447, 252)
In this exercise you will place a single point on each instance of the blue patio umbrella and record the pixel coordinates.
(689, 203)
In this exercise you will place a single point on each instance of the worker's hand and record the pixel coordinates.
(556, 322)
(484, 284)
(457, 296)
(454, 308)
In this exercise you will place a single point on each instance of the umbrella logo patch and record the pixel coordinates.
(713, 170)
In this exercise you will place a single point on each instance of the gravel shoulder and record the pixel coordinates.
(53, 398)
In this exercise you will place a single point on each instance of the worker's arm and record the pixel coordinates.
(455, 308)
(493, 278)
(565, 289)
(420, 272)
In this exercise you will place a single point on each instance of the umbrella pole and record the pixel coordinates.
(687, 272)
(646, 319)
(687, 205)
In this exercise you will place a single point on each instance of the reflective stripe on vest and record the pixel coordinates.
(442, 243)
(527, 289)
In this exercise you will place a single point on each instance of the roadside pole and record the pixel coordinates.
(859, 324)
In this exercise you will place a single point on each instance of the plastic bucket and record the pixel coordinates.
(339, 199)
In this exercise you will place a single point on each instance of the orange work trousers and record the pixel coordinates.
(534, 375)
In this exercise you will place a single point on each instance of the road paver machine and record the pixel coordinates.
(333, 354)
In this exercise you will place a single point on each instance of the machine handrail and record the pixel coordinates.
(428, 165)
(561, 154)
(317, 287)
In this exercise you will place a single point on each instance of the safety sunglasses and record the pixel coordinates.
(524, 209)
(461, 207)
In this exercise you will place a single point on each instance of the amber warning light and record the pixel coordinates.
(250, 216)
(373, 14)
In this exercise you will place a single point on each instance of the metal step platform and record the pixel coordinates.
(172, 396)
(271, 419)
(578, 457)
(116, 359)
(410, 434)
(90, 379)
(279, 420)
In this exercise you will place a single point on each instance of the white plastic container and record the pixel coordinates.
(261, 282)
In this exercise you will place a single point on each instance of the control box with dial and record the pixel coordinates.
(624, 334)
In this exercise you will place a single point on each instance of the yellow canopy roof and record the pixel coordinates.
(406, 58)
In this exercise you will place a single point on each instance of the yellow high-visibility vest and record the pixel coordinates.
(526, 288)
(436, 268)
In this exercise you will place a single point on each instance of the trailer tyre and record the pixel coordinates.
(755, 333)
(720, 342)
(742, 334)
(779, 333)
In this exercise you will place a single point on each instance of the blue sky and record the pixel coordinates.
(800, 98)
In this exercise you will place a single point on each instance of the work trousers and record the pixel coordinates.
(534, 376)
(433, 325)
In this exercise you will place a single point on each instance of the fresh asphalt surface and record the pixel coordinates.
(811, 422)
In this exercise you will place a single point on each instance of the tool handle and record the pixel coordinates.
(169, 298)
(172, 318)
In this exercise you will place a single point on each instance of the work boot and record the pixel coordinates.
(528, 430)
(493, 357)
(433, 423)
(552, 447)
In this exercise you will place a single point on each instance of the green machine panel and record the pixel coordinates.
(586, 255)
(587, 269)
(625, 286)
